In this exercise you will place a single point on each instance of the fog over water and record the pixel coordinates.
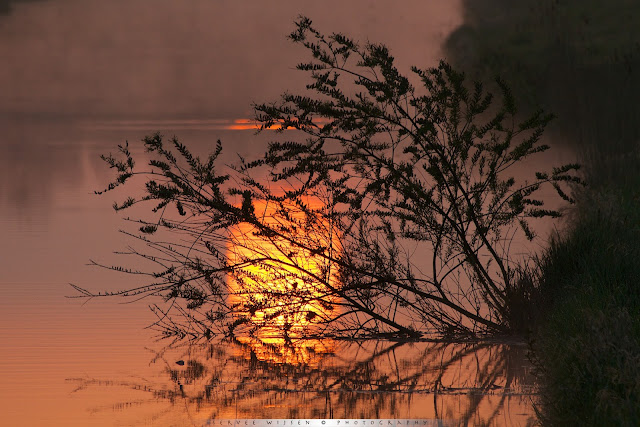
(193, 58)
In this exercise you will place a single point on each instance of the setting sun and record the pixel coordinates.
(280, 286)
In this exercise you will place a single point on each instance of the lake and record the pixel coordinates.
(80, 77)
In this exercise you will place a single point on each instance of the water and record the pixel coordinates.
(79, 77)
(248, 379)
(93, 362)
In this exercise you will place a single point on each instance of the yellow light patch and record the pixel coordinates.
(280, 285)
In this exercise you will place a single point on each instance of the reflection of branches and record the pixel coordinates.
(469, 382)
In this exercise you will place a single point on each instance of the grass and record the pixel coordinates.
(588, 345)
(581, 60)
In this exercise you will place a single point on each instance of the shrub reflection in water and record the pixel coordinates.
(471, 383)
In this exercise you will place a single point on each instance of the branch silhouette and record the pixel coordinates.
(393, 215)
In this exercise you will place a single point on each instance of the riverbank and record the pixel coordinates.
(580, 60)
(587, 348)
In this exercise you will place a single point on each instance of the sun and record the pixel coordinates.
(284, 282)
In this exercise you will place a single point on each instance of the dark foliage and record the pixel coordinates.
(395, 212)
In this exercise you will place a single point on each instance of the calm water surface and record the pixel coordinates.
(82, 76)
(94, 363)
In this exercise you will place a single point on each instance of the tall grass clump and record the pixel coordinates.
(588, 347)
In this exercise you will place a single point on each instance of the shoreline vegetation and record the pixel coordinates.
(581, 59)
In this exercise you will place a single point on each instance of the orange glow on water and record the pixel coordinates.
(150, 125)
(248, 124)
(242, 124)
(279, 285)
